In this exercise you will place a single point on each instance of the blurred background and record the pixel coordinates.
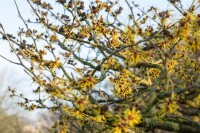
(14, 119)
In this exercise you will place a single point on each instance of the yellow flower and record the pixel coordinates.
(195, 103)
(53, 38)
(53, 64)
(111, 63)
(123, 90)
(196, 118)
(57, 64)
(132, 57)
(170, 65)
(194, 41)
(129, 35)
(132, 117)
(100, 118)
(123, 83)
(154, 72)
(87, 82)
(170, 105)
(76, 114)
(120, 128)
(82, 103)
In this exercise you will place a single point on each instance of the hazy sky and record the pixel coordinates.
(10, 20)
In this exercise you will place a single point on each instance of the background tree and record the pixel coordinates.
(14, 119)
(150, 61)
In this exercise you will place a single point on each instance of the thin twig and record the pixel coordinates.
(10, 60)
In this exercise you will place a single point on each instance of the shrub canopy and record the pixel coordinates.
(104, 73)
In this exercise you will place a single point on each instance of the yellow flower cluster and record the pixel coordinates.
(189, 31)
(181, 51)
(123, 83)
(129, 36)
(81, 103)
(100, 118)
(194, 41)
(169, 105)
(185, 25)
(170, 65)
(120, 128)
(195, 103)
(76, 113)
(84, 32)
(164, 45)
(53, 64)
(87, 82)
(99, 29)
(111, 63)
(131, 118)
(132, 57)
(154, 72)
(115, 41)
(53, 38)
